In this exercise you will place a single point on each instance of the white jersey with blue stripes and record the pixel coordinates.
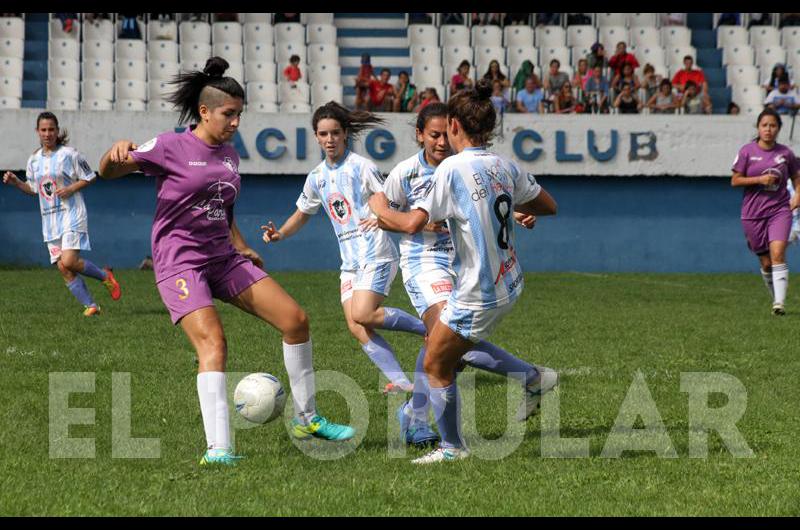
(406, 185)
(49, 172)
(343, 190)
(476, 192)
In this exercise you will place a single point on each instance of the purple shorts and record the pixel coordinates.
(193, 289)
(759, 232)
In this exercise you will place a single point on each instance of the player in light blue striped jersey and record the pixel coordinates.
(476, 192)
(56, 173)
(428, 277)
(342, 184)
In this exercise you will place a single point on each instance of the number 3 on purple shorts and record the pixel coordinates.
(181, 284)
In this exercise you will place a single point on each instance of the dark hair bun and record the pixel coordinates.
(484, 89)
(215, 67)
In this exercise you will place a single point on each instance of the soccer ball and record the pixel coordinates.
(259, 397)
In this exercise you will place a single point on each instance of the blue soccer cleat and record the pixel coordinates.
(319, 427)
(219, 456)
(419, 435)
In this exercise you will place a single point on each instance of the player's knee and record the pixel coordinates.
(70, 262)
(366, 317)
(433, 367)
(297, 326)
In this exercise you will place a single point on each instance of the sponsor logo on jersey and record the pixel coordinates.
(507, 266)
(228, 163)
(198, 163)
(339, 208)
(532, 179)
(442, 286)
(346, 286)
(147, 146)
(215, 205)
(47, 188)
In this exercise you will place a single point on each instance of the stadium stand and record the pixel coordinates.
(41, 64)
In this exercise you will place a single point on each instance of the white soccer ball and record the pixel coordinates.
(259, 397)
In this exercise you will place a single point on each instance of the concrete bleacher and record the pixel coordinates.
(92, 68)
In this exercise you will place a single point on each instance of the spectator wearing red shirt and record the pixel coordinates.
(381, 92)
(621, 58)
(292, 72)
(696, 76)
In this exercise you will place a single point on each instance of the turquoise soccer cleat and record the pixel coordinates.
(219, 456)
(319, 427)
(418, 435)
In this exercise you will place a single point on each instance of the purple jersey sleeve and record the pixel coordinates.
(150, 156)
(740, 162)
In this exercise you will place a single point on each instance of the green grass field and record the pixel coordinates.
(598, 329)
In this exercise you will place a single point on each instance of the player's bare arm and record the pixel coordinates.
(10, 179)
(241, 246)
(294, 223)
(69, 191)
(407, 222)
(543, 204)
(767, 179)
(118, 162)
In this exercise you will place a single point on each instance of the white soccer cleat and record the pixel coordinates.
(442, 454)
(778, 309)
(548, 380)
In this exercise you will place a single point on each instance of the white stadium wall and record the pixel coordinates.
(612, 145)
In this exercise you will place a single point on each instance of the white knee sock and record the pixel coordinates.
(214, 407)
(297, 358)
(780, 281)
(767, 276)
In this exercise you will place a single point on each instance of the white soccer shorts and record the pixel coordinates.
(428, 288)
(68, 241)
(473, 325)
(377, 277)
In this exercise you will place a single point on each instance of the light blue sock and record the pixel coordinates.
(398, 320)
(420, 403)
(495, 359)
(92, 271)
(78, 289)
(382, 355)
(446, 410)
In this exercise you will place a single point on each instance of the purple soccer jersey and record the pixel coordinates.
(197, 185)
(761, 201)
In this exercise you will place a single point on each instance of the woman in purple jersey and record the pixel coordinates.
(763, 168)
(199, 254)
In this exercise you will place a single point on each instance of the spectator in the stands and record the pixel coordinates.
(565, 101)
(67, 21)
(516, 19)
(483, 19)
(733, 108)
(404, 93)
(493, 73)
(461, 79)
(525, 71)
(381, 92)
(759, 19)
(581, 74)
(292, 73)
(555, 78)
(548, 19)
(778, 73)
(663, 101)
(690, 73)
(499, 100)
(626, 102)
(453, 18)
(784, 99)
(579, 19)
(287, 17)
(790, 19)
(429, 95)
(420, 18)
(729, 19)
(626, 76)
(621, 58)
(692, 102)
(530, 98)
(650, 81)
(597, 56)
(595, 91)
(363, 79)
(129, 29)
(673, 19)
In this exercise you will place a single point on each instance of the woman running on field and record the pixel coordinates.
(199, 254)
(425, 261)
(57, 173)
(763, 167)
(341, 184)
(476, 192)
